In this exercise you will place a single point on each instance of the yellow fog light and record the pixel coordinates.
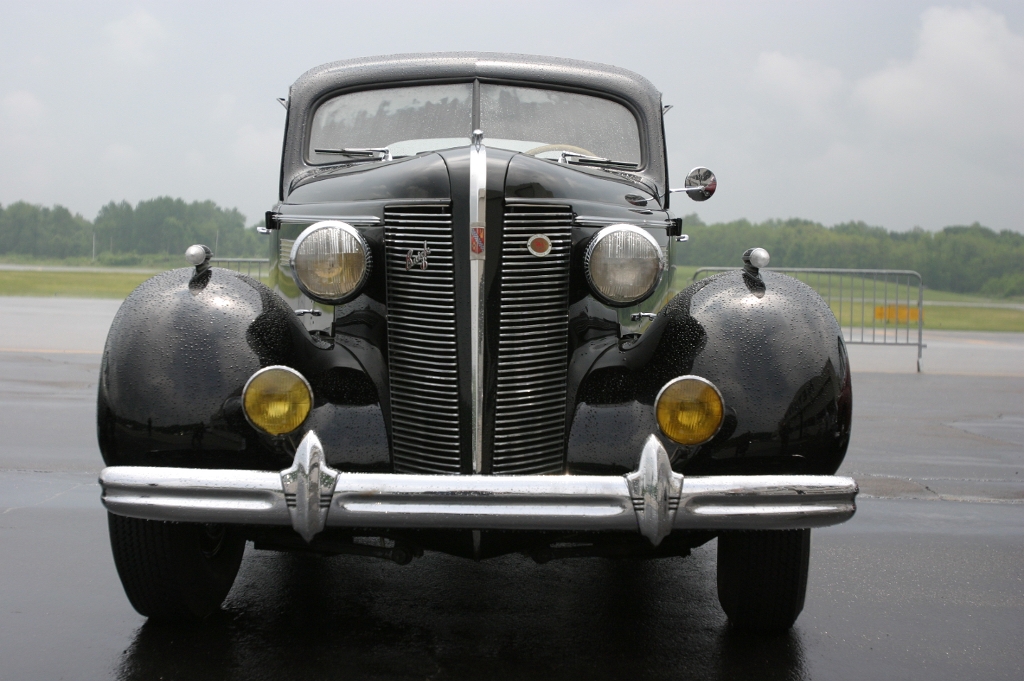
(689, 410)
(277, 400)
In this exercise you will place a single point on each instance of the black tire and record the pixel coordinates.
(762, 577)
(174, 571)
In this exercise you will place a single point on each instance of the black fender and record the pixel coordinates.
(179, 352)
(772, 347)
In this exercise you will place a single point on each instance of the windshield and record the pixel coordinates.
(411, 120)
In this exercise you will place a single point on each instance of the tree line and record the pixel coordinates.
(122, 233)
(967, 259)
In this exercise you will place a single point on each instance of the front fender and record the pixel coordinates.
(177, 356)
(772, 347)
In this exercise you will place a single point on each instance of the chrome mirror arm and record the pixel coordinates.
(700, 184)
(688, 190)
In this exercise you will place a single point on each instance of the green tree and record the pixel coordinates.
(26, 229)
(165, 225)
(958, 258)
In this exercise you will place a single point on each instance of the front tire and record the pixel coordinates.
(174, 571)
(762, 577)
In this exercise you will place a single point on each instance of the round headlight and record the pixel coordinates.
(689, 410)
(330, 261)
(277, 400)
(623, 264)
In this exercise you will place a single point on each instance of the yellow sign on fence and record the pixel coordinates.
(896, 313)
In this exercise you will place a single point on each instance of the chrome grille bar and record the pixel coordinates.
(422, 358)
(529, 426)
(477, 256)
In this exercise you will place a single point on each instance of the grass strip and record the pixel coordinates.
(119, 285)
(70, 284)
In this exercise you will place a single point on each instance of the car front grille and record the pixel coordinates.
(422, 358)
(284, 256)
(532, 326)
(529, 426)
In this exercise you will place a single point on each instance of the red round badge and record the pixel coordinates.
(539, 245)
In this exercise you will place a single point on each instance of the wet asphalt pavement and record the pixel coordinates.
(926, 582)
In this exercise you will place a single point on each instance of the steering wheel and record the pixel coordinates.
(558, 147)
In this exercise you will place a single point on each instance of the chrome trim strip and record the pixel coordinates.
(595, 221)
(477, 258)
(363, 220)
(653, 500)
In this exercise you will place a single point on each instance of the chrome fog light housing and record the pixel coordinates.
(690, 410)
(623, 264)
(330, 262)
(277, 399)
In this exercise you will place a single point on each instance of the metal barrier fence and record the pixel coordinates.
(244, 265)
(873, 307)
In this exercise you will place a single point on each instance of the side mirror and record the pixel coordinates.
(700, 184)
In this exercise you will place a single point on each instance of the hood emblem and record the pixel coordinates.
(417, 257)
(476, 239)
(539, 245)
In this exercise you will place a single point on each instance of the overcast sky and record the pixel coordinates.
(895, 113)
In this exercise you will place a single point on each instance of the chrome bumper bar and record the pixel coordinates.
(652, 500)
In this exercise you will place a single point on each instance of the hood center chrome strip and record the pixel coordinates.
(477, 257)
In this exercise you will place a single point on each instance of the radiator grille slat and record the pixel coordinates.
(422, 360)
(532, 358)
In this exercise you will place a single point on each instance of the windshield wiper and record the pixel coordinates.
(368, 153)
(595, 161)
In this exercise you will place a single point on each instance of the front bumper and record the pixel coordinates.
(653, 500)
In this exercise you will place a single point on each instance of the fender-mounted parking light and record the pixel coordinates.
(690, 410)
(277, 400)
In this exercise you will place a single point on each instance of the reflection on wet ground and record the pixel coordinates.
(293, 615)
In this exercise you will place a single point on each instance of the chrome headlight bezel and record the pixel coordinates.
(283, 369)
(607, 232)
(691, 378)
(350, 231)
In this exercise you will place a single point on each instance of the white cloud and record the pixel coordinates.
(806, 86)
(224, 108)
(911, 129)
(259, 147)
(966, 78)
(119, 155)
(194, 160)
(22, 108)
(27, 144)
(134, 39)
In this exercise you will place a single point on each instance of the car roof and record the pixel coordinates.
(347, 73)
(325, 79)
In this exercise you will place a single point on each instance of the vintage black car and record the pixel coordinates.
(470, 344)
